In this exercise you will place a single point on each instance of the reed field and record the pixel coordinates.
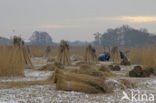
(40, 51)
(145, 56)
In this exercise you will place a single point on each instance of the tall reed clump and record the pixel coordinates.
(145, 56)
(11, 61)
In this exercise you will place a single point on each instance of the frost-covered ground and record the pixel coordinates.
(48, 94)
(30, 75)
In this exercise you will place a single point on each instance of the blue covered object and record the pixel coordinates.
(104, 57)
(122, 56)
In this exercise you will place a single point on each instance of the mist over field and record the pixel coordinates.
(74, 19)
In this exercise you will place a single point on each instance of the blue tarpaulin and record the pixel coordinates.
(104, 57)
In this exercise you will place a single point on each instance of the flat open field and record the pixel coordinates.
(33, 89)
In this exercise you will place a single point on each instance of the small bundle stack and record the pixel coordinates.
(18, 43)
(138, 71)
(90, 55)
(114, 67)
(63, 56)
(125, 62)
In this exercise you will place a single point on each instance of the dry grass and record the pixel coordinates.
(40, 51)
(104, 68)
(11, 61)
(145, 56)
(86, 66)
(90, 70)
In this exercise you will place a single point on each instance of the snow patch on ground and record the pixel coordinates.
(48, 94)
(30, 75)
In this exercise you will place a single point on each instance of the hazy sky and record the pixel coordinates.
(74, 19)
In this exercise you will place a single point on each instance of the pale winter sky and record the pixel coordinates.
(74, 19)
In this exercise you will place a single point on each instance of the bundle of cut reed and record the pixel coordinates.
(90, 55)
(63, 55)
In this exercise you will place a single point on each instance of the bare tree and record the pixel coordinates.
(97, 38)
